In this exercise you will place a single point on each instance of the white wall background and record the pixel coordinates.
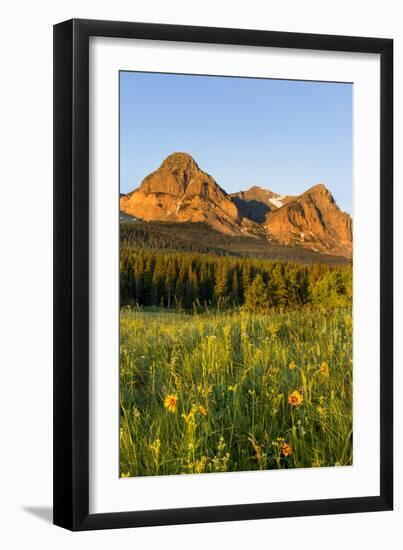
(26, 270)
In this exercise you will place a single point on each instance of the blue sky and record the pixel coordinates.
(283, 135)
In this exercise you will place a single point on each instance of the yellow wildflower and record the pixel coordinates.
(295, 398)
(200, 465)
(324, 369)
(202, 410)
(155, 448)
(170, 402)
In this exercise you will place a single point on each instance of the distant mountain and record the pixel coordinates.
(255, 203)
(179, 191)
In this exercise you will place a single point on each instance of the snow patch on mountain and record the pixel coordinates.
(277, 201)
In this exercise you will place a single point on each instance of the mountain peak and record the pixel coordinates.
(179, 160)
(320, 194)
(172, 177)
(256, 188)
(180, 191)
(318, 189)
(313, 220)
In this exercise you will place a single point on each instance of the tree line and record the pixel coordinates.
(191, 281)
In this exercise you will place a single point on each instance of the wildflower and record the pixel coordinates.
(286, 450)
(200, 465)
(155, 448)
(324, 369)
(170, 402)
(292, 365)
(278, 442)
(295, 398)
(125, 474)
(190, 418)
(221, 445)
(202, 410)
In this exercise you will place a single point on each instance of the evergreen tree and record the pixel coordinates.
(221, 284)
(157, 282)
(180, 290)
(205, 284)
(139, 274)
(148, 276)
(277, 287)
(194, 287)
(170, 281)
(235, 288)
(246, 277)
(293, 288)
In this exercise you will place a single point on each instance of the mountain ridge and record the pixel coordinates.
(179, 191)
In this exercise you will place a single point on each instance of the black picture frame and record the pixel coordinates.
(71, 274)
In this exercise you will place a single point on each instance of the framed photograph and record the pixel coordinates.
(223, 323)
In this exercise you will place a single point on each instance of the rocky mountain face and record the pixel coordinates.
(179, 191)
(312, 220)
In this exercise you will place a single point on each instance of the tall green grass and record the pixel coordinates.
(230, 375)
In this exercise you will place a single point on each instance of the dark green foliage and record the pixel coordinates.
(188, 280)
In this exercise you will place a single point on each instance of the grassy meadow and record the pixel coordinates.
(234, 390)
